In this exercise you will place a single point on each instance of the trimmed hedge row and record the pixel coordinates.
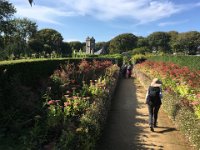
(176, 108)
(193, 62)
(31, 70)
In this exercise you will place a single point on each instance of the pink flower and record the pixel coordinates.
(66, 104)
(198, 95)
(51, 102)
(195, 103)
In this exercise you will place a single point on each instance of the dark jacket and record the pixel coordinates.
(154, 99)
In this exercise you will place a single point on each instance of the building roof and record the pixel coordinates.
(88, 38)
(101, 51)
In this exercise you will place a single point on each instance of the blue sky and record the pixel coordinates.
(105, 19)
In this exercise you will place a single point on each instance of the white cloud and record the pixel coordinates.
(142, 11)
(40, 12)
(162, 24)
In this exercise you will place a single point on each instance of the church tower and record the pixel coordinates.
(90, 45)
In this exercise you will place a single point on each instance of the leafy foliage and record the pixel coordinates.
(139, 58)
(50, 39)
(122, 43)
(188, 42)
(159, 41)
(23, 30)
(140, 50)
(6, 12)
(75, 45)
(193, 62)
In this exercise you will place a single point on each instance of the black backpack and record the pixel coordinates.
(154, 95)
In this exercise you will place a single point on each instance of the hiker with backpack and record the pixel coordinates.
(153, 101)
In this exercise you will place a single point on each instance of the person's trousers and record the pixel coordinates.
(153, 114)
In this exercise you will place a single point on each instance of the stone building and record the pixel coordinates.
(90, 45)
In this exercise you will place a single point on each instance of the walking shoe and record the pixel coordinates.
(151, 128)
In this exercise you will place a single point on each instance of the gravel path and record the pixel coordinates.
(127, 126)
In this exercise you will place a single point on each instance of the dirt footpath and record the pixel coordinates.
(127, 126)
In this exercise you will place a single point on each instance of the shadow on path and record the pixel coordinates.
(121, 132)
(166, 129)
(127, 124)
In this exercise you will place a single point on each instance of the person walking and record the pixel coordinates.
(129, 70)
(123, 70)
(153, 101)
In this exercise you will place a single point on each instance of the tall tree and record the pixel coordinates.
(66, 49)
(76, 45)
(173, 35)
(159, 41)
(6, 12)
(36, 46)
(189, 42)
(50, 39)
(123, 43)
(24, 29)
(142, 42)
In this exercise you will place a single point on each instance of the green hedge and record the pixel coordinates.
(31, 70)
(117, 57)
(139, 58)
(183, 116)
(193, 62)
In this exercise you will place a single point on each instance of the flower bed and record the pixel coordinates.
(181, 80)
(77, 100)
(67, 112)
(183, 112)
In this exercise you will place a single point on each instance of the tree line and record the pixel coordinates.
(20, 37)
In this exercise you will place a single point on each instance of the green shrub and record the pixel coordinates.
(138, 58)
